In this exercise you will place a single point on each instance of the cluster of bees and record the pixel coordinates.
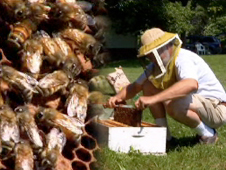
(50, 49)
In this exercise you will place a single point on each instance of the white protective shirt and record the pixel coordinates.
(190, 65)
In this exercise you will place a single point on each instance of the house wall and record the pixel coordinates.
(114, 40)
(121, 46)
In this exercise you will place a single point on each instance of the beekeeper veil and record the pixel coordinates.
(154, 43)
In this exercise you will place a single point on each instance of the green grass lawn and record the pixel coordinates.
(186, 155)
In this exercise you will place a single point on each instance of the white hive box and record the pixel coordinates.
(147, 139)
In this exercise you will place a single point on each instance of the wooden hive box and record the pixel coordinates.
(147, 139)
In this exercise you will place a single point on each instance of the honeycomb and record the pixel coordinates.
(128, 116)
(82, 156)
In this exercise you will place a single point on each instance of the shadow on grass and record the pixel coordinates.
(178, 143)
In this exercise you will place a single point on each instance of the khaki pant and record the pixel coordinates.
(211, 111)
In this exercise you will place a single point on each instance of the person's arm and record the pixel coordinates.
(179, 89)
(126, 93)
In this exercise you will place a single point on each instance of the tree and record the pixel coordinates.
(185, 17)
(132, 16)
(179, 18)
(217, 15)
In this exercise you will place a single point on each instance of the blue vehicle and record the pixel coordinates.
(211, 43)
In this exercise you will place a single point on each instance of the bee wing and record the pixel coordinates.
(72, 125)
(28, 82)
(72, 105)
(81, 112)
(86, 6)
(33, 134)
(34, 62)
(90, 20)
(15, 134)
(77, 122)
(9, 132)
(24, 157)
(56, 139)
(51, 80)
(62, 44)
(46, 82)
(61, 140)
(5, 131)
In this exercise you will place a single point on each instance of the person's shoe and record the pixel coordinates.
(208, 140)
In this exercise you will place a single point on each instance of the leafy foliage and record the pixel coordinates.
(132, 16)
(216, 27)
(185, 17)
(179, 17)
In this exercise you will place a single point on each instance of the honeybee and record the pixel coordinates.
(96, 97)
(70, 61)
(101, 59)
(72, 66)
(24, 156)
(20, 82)
(71, 127)
(14, 10)
(52, 83)
(28, 126)
(96, 105)
(53, 51)
(101, 26)
(23, 30)
(55, 141)
(82, 42)
(38, 11)
(54, 160)
(63, 46)
(31, 57)
(69, 15)
(20, 33)
(101, 83)
(9, 129)
(76, 102)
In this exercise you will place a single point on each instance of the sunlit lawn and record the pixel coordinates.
(186, 155)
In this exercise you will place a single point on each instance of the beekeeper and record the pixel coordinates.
(178, 82)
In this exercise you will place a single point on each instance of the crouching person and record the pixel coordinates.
(178, 82)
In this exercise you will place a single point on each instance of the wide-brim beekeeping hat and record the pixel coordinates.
(154, 38)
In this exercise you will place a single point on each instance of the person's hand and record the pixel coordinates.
(144, 101)
(112, 102)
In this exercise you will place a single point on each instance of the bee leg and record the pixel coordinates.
(27, 95)
(88, 30)
(4, 59)
(39, 89)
